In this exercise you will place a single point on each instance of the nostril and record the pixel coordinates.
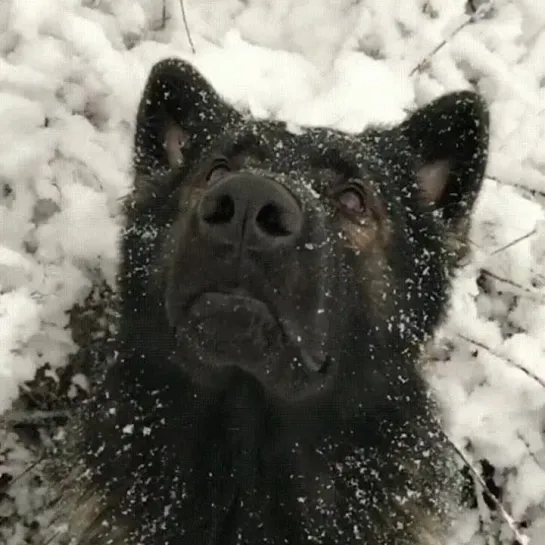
(273, 221)
(245, 210)
(219, 210)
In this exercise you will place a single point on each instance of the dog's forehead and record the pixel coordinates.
(294, 145)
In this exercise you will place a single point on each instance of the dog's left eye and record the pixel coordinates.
(218, 170)
(351, 199)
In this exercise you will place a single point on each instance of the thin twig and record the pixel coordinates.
(187, 27)
(538, 192)
(164, 14)
(526, 292)
(513, 525)
(530, 452)
(516, 241)
(27, 470)
(32, 417)
(480, 13)
(506, 359)
(425, 61)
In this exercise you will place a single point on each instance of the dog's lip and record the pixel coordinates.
(211, 301)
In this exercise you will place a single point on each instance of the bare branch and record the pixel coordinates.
(187, 27)
(480, 13)
(483, 346)
(26, 471)
(513, 525)
(14, 418)
(514, 242)
(518, 186)
(526, 292)
(531, 453)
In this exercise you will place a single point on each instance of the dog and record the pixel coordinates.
(277, 288)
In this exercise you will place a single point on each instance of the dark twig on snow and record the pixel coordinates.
(26, 471)
(480, 13)
(15, 418)
(514, 242)
(425, 61)
(531, 453)
(526, 292)
(187, 27)
(522, 539)
(506, 359)
(164, 14)
(532, 191)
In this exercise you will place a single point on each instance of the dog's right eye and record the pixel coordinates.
(218, 169)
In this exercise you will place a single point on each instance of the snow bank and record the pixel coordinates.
(71, 74)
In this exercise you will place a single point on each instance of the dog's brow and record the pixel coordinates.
(248, 144)
(332, 159)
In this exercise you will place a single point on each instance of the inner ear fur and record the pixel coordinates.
(449, 138)
(179, 110)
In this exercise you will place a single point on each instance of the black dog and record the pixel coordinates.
(277, 289)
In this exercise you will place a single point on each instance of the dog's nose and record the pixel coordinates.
(249, 210)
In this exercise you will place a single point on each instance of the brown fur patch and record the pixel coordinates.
(429, 531)
(369, 241)
(457, 240)
(79, 515)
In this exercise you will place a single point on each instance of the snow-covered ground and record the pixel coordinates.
(71, 73)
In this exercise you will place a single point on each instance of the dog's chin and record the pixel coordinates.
(236, 330)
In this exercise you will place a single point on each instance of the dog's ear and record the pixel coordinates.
(179, 113)
(449, 138)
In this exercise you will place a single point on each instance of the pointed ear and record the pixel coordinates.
(449, 137)
(178, 113)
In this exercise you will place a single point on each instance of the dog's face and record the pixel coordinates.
(295, 258)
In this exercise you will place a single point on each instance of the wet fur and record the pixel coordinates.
(171, 451)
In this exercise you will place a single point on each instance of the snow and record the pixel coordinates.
(71, 74)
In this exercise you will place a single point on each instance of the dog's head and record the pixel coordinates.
(297, 258)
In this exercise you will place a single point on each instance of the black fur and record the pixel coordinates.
(231, 429)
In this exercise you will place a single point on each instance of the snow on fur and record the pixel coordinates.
(71, 74)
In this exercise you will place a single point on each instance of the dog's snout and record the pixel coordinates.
(248, 209)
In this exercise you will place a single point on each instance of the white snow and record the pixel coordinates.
(71, 74)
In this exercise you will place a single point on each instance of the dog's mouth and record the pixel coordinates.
(234, 326)
(235, 302)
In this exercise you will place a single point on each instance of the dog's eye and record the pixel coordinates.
(218, 170)
(351, 199)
